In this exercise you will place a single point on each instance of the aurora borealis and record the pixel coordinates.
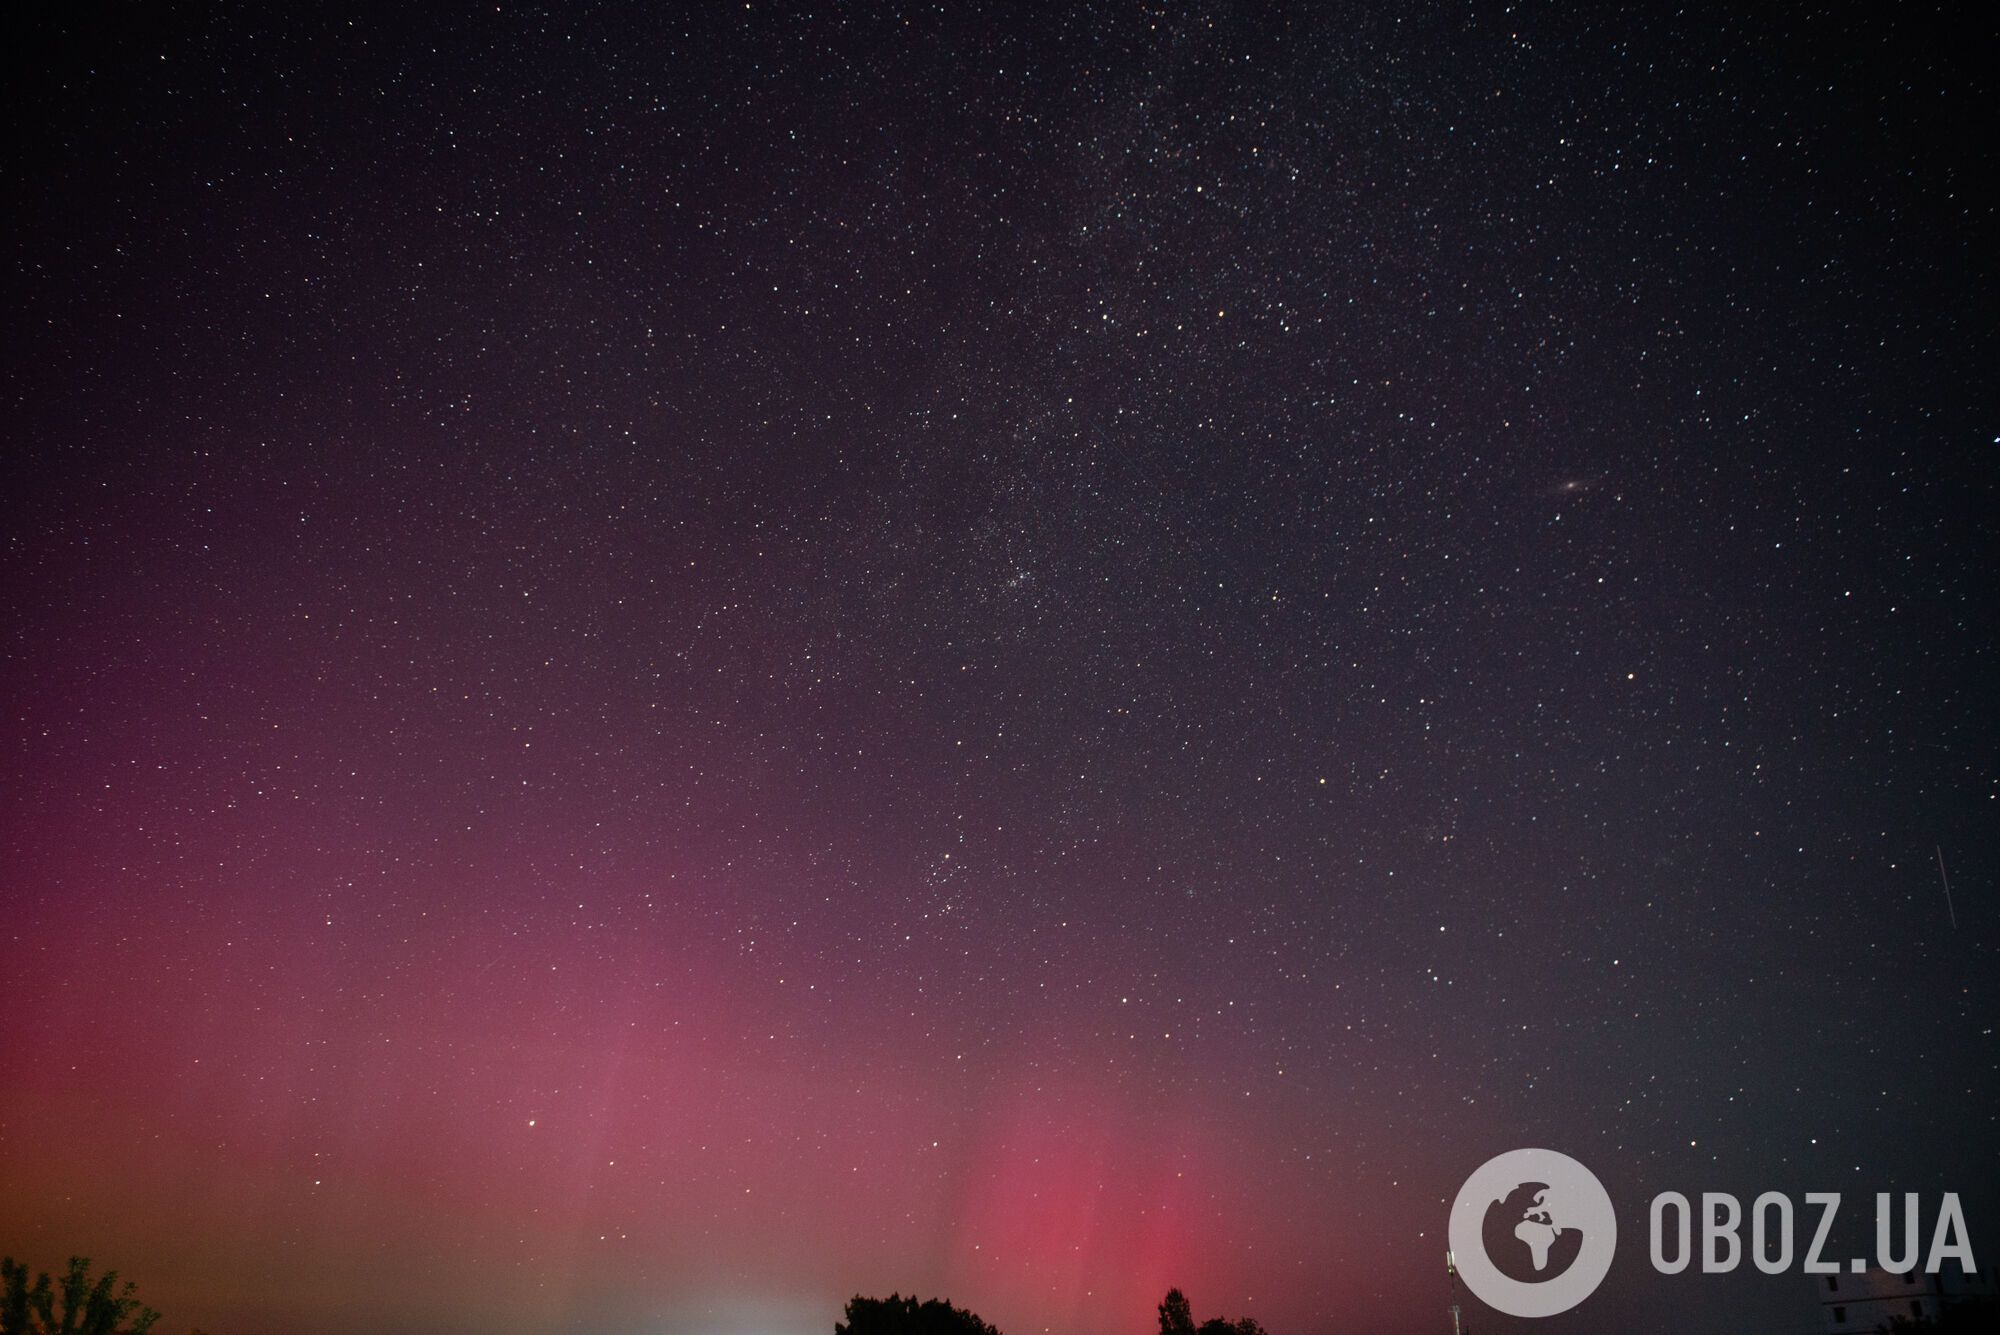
(667, 663)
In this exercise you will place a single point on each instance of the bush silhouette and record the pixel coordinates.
(897, 1315)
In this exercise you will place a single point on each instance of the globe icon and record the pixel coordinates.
(1528, 1235)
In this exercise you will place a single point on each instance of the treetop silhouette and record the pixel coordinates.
(1177, 1318)
(88, 1308)
(897, 1315)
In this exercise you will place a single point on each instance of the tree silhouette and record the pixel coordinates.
(1177, 1318)
(88, 1308)
(897, 1315)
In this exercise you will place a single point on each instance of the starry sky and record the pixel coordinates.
(666, 662)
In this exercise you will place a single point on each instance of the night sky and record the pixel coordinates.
(664, 663)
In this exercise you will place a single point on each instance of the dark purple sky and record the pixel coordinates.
(664, 663)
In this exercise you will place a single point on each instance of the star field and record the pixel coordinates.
(663, 664)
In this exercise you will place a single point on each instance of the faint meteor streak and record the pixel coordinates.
(1935, 848)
